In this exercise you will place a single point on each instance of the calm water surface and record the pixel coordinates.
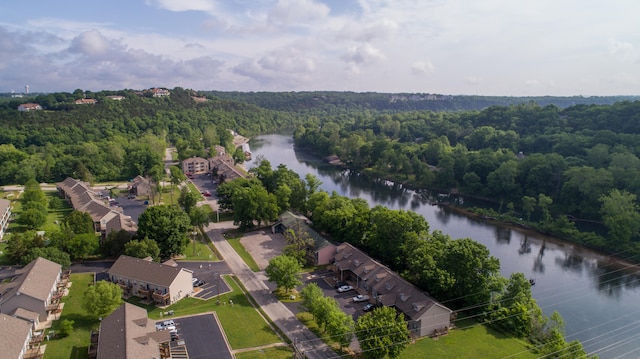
(598, 297)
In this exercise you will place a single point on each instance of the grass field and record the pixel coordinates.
(267, 353)
(243, 325)
(76, 345)
(476, 341)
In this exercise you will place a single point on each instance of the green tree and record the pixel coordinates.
(142, 249)
(621, 216)
(168, 226)
(66, 327)
(51, 253)
(79, 222)
(528, 206)
(299, 244)
(188, 199)
(33, 218)
(102, 298)
(19, 245)
(311, 294)
(253, 203)
(339, 326)
(382, 333)
(284, 271)
(544, 202)
(82, 245)
(113, 245)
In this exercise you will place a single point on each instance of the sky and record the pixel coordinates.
(456, 47)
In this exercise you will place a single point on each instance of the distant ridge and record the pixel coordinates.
(398, 102)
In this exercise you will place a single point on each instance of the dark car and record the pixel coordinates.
(199, 283)
(369, 307)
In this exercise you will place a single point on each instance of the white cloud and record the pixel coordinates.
(363, 55)
(90, 43)
(422, 67)
(185, 5)
(297, 11)
(619, 47)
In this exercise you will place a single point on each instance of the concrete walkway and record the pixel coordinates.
(307, 342)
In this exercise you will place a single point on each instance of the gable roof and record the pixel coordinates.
(295, 222)
(391, 288)
(14, 333)
(129, 333)
(36, 280)
(85, 199)
(145, 270)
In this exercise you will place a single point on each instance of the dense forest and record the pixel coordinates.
(117, 140)
(332, 102)
(544, 166)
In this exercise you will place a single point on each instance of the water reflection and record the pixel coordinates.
(503, 235)
(586, 288)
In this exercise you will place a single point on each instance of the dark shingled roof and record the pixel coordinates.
(128, 333)
(145, 270)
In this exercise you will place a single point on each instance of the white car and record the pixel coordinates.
(166, 325)
(360, 298)
(345, 288)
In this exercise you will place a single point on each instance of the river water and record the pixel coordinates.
(598, 297)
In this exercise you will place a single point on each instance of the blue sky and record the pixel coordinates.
(488, 47)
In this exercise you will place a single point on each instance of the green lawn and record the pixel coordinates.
(4, 260)
(268, 353)
(242, 252)
(75, 345)
(202, 252)
(242, 323)
(476, 341)
(53, 216)
(307, 319)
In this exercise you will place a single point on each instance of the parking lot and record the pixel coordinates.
(203, 336)
(345, 300)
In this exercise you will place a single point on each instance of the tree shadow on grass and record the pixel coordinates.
(79, 353)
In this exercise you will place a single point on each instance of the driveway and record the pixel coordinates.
(263, 245)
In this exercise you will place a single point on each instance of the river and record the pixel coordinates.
(598, 297)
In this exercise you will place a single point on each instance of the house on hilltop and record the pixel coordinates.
(86, 101)
(424, 315)
(129, 333)
(29, 107)
(158, 283)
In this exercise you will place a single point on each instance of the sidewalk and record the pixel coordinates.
(308, 343)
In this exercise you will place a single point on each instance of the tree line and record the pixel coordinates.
(545, 164)
(118, 140)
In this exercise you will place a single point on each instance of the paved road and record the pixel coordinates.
(308, 342)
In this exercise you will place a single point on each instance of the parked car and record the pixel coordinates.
(360, 298)
(199, 283)
(206, 193)
(369, 307)
(340, 284)
(194, 280)
(166, 325)
(345, 288)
